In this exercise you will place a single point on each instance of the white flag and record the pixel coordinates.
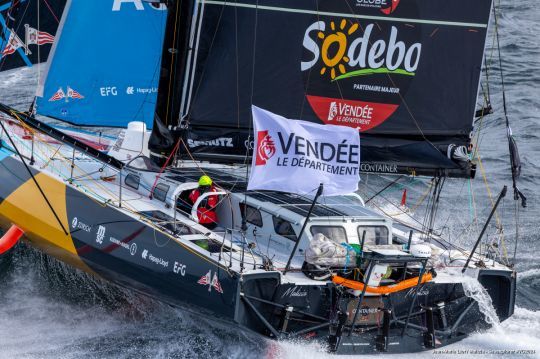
(296, 156)
(36, 37)
(13, 44)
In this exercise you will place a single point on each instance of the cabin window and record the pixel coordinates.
(132, 181)
(374, 234)
(335, 233)
(284, 228)
(253, 215)
(160, 192)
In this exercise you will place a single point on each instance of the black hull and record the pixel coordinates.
(127, 250)
(454, 315)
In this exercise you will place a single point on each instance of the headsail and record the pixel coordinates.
(405, 73)
(105, 66)
(27, 31)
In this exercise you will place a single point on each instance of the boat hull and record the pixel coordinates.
(106, 242)
(125, 249)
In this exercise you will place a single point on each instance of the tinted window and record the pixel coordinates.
(253, 215)
(335, 233)
(132, 181)
(284, 228)
(160, 192)
(374, 234)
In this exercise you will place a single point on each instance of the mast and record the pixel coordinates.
(167, 128)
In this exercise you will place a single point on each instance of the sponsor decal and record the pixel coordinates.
(341, 52)
(294, 149)
(294, 292)
(249, 143)
(365, 310)
(218, 142)
(357, 114)
(100, 234)
(146, 91)
(108, 91)
(385, 6)
(211, 282)
(379, 167)
(265, 148)
(77, 224)
(146, 255)
(179, 268)
(133, 249)
(69, 94)
(119, 141)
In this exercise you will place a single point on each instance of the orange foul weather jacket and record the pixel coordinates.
(206, 211)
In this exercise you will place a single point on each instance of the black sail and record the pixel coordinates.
(405, 73)
(31, 26)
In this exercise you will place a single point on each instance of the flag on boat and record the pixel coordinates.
(13, 44)
(205, 279)
(58, 95)
(296, 156)
(216, 284)
(71, 93)
(36, 37)
(211, 282)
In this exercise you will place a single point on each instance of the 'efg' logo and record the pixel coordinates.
(265, 148)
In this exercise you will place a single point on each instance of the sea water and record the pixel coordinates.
(48, 310)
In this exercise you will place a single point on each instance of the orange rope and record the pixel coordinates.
(406, 284)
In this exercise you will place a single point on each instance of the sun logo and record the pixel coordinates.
(334, 47)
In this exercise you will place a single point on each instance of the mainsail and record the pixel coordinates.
(27, 31)
(104, 68)
(405, 74)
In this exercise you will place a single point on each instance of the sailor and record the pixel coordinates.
(206, 212)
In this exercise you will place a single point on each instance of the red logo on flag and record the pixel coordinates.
(265, 148)
(211, 282)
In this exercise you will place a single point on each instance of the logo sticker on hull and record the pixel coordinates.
(133, 249)
(211, 282)
(146, 255)
(100, 234)
(77, 224)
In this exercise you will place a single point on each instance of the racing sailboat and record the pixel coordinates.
(315, 267)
